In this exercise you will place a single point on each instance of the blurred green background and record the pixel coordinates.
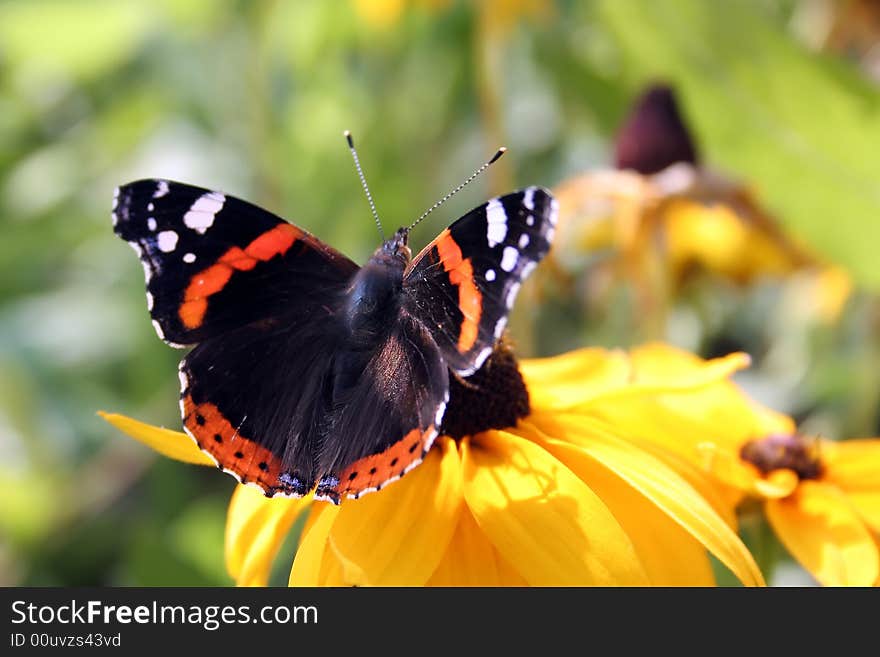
(252, 98)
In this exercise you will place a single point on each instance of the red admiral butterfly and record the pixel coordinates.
(309, 372)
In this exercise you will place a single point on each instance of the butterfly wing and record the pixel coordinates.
(214, 263)
(388, 407)
(289, 407)
(256, 399)
(273, 390)
(464, 283)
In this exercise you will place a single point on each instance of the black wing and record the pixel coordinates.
(464, 283)
(256, 399)
(288, 408)
(388, 407)
(214, 263)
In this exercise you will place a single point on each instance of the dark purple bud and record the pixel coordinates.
(654, 135)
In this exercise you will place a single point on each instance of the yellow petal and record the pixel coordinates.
(667, 490)
(574, 377)
(671, 556)
(333, 572)
(659, 364)
(776, 484)
(854, 467)
(256, 526)
(396, 537)
(723, 498)
(583, 375)
(717, 238)
(544, 520)
(867, 503)
(852, 464)
(173, 444)
(681, 420)
(471, 560)
(308, 565)
(823, 532)
(727, 466)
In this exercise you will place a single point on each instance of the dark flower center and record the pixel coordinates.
(783, 451)
(493, 397)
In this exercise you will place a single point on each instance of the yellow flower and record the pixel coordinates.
(659, 217)
(499, 15)
(385, 13)
(691, 218)
(561, 499)
(821, 497)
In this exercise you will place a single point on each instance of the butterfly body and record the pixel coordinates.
(307, 371)
(374, 297)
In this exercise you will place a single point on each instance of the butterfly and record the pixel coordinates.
(308, 372)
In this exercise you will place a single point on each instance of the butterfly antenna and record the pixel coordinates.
(501, 151)
(357, 164)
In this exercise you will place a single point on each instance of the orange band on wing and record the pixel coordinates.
(214, 434)
(213, 279)
(372, 472)
(461, 274)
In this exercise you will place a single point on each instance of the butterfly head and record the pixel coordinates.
(395, 248)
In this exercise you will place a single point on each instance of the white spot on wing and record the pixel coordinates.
(478, 362)
(412, 465)
(490, 275)
(161, 189)
(511, 295)
(509, 258)
(167, 241)
(150, 301)
(530, 220)
(189, 257)
(441, 410)
(200, 216)
(151, 223)
(150, 207)
(496, 219)
(529, 198)
(523, 241)
(184, 381)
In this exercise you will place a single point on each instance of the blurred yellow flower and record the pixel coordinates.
(659, 217)
(693, 217)
(821, 497)
(717, 239)
(561, 499)
(385, 13)
(498, 15)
